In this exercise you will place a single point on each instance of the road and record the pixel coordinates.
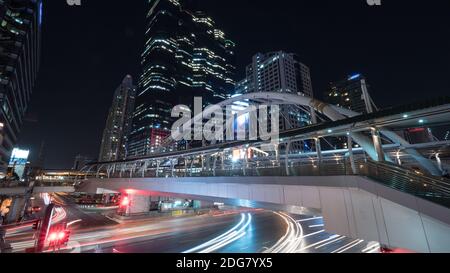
(236, 231)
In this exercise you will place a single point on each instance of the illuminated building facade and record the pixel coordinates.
(185, 56)
(285, 73)
(118, 124)
(348, 93)
(20, 46)
(278, 72)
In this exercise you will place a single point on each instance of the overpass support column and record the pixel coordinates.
(223, 161)
(215, 165)
(172, 166)
(288, 149)
(318, 150)
(439, 162)
(144, 169)
(377, 143)
(121, 171)
(277, 150)
(139, 204)
(192, 166)
(245, 161)
(351, 155)
(186, 166)
(158, 164)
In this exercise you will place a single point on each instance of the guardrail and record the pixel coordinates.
(427, 187)
(409, 181)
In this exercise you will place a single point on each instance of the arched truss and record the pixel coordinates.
(332, 112)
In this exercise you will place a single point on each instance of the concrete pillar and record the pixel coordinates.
(172, 166)
(139, 204)
(318, 150)
(377, 143)
(215, 165)
(186, 166)
(192, 166)
(223, 161)
(277, 150)
(352, 156)
(158, 164)
(245, 161)
(288, 149)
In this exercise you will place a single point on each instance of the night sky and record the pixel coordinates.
(403, 47)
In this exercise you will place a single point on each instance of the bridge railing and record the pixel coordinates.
(409, 181)
(413, 182)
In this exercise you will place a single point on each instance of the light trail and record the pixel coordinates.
(74, 222)
(348, 246)
(314, 233)
(293, 238)
(60, 215)
(318, 243)
(314, 226)
(310, 219)
(232, 235)
(371, 248)
(329, 243)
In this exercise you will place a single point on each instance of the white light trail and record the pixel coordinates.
(348, 246)
(329, 243)
(293, 238)
(371, 248)
(232, 235)
(310, 219)
(314, 226)
(318, 243)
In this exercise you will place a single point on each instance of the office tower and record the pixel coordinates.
(118, 124)
(351, 94)
(280, 72)
(185, 56)
(20, 46)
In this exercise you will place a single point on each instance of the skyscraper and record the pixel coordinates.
(279, 72)
(350, 93)
(185, 55)
(20, 46)
(118, 124)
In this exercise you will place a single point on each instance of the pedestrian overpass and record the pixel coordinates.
(383, 189)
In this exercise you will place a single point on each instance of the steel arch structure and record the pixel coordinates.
(334, 113)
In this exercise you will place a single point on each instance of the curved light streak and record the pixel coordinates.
(232, 235)
(293, 238)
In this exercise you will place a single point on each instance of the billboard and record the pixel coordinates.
(19, 160)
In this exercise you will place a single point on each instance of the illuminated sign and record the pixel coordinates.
(19, 157)
(19, 160)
